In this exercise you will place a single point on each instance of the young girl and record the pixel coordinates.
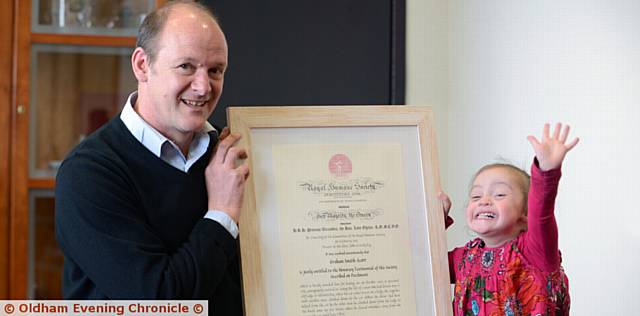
(513, 267)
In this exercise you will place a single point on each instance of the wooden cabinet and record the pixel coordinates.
(6, 62)
(69, 73)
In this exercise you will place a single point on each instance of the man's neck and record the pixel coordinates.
(182, 140)
(183, 143)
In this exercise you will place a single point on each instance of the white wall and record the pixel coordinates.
(427, 61)
(512, 66)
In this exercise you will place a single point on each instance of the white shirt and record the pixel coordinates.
(170, 153)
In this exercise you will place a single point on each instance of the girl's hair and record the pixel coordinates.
(523, 178)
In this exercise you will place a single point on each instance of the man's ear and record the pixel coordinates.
(140, 64)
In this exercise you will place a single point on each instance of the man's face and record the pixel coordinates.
(185, 80)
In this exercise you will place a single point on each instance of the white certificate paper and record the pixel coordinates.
(344, 230)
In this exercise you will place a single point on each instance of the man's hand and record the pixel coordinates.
(225, 182)
(550, 150)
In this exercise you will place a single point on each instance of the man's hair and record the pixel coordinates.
(153, 24)
(523, 179)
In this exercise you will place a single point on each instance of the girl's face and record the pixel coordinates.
(496, 206)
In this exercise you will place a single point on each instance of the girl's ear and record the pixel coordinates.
(140, 64)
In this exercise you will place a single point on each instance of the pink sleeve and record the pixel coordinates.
(455, 256)
(448, 221)
(541, 240)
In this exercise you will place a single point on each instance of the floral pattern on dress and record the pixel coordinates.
(500, 281)
(519, 291)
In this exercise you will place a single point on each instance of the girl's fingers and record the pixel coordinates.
(446, 202)
(545, 131)
(556, 131)
(565, 134)
(573, 143)
(534, 141)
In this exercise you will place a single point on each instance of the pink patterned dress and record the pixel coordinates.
(521, 277)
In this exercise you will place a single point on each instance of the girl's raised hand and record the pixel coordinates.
(550, 150)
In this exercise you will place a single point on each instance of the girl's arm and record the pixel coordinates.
(448, 221)
(542, 235)
(541, 242)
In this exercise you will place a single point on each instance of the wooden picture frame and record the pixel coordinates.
(340, 213)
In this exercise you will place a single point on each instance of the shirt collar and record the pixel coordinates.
(146, 134)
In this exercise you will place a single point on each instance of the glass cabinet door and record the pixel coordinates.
(73, 74)
(45, 258)
(74, 90)
(95, 17)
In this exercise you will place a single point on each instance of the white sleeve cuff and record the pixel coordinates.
(224, 220)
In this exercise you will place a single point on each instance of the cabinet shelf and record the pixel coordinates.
(84, 17)
(93, 40)
(47, 184)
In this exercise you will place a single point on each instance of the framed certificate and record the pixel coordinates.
(340, 213)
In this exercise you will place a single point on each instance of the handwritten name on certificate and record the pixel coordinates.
(344, 229)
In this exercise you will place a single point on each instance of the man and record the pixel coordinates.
(147, 207)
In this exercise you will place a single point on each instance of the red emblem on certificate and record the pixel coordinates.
(340, 166)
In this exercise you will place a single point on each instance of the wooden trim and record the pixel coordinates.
(323, 116)
(48, 183)
(6, 61)
(92, 40)
(18, 266)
